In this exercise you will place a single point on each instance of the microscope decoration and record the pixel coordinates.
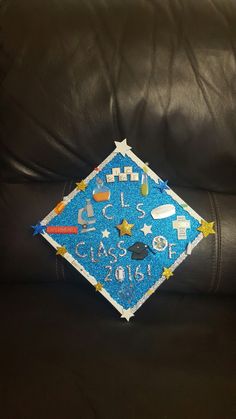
(86, 217)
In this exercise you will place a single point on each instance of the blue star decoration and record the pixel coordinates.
(162, 185)
(38, 229)
(120, 233)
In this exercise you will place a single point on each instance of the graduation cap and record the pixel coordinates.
(139, 250)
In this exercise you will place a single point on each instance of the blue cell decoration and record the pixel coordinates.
(124, 229)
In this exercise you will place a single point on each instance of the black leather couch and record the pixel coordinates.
(76, 75)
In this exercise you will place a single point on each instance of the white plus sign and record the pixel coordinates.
(181, 224)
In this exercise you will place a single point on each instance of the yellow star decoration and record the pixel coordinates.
(98, 286)
(150, 292)
(125, 228)
(61, 250)
(145, 168)
(81, 186)
(206, 228)
(167, 273)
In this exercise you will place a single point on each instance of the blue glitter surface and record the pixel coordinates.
(129, 291)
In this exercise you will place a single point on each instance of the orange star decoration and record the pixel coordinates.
(61, 250)
(206, 228)
(98, 286)
(125, 228)
(81, 186)
(167, 273)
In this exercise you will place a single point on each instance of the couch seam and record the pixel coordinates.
(215, 251)
(62, 261)
(217, 245)
(57, 275)
(219, 239)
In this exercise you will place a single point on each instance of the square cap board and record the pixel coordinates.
(124, 230)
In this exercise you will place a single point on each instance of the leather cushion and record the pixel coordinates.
(210, 268)
(63, 354)
(77, 75)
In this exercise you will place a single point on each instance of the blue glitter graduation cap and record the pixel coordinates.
(124, 230)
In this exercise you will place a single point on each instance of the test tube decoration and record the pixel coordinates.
(144, 189)
(101, 192)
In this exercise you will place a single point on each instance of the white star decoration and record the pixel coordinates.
(146, 229)
(105, 234)
(122, 147)
(127, 314)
